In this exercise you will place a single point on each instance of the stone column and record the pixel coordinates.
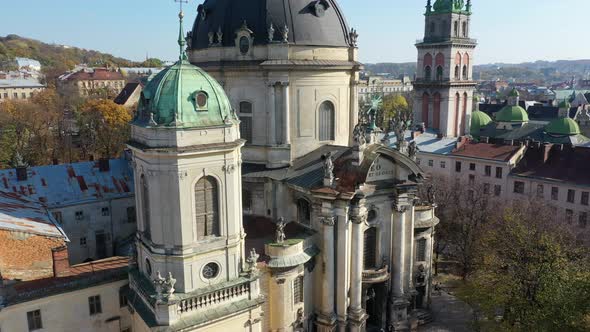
(286, 115)
(271, 110)
(343, 264)
(398, 302)
(357, 313)
(326, 318)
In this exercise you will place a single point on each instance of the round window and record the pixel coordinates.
(201, 100)
(210, 271)
(244, 45)
(148, 267)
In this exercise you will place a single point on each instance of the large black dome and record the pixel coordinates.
(310, 22)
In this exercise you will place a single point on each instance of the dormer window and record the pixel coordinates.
(201, 100)
(244, 45)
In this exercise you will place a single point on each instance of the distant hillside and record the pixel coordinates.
(55, 56)
(528, 71)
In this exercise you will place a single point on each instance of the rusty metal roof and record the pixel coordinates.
(70, 184)
(18, 214)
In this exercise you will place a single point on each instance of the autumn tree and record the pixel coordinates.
(533, 275)
(392, 105)
(103, 127)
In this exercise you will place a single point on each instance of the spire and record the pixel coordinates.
(181, 40)
(428, 7)
(468, 6)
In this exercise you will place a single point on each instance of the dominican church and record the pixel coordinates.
(266, 197)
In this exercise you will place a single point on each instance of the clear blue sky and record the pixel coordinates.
(507, 30)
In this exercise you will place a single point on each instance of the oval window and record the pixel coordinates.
(210, 271)
(244, 45)
(201, 100)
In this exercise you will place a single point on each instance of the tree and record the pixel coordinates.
(392, 105)
(532, 274)
(104, 127)
(152, 63)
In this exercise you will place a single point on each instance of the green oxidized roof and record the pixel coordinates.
(512, 114)
(563, 126)
(171, 96)
(450, 6)
(479, 120)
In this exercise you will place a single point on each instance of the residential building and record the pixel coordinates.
(92, 201)
(92, 81)
(383, 86)
(17, 86)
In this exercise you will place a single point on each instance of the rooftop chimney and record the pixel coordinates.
(104, 165)
(61, 264)
(21, 173)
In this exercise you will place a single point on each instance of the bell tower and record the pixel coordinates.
(191, 264)
(444, 86)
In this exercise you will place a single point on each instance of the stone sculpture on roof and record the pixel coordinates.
(280, 233)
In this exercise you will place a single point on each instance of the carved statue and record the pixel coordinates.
(169, 283)
(281, 230)
(374, 109)
(152, 121)
(271, 32)
(252, 261)
(189, 40)
(329, 167)
(286, 34)
(359, 134)
(211, 35)
(413, 150)
(354, 36)
(401, 123)
(431, 195)
(219, 36)
(158, 285)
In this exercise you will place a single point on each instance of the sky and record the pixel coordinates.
(509, 31)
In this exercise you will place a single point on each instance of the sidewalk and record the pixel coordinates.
(450, 315)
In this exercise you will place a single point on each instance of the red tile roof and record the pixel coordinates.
(498, 152)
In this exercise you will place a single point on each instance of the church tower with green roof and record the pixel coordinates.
(192, 272)
(444, 84)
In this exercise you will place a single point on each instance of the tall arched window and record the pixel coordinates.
(436, 111)
(428, 73)
(145, 196)
(457, 73)
(421, 250)
(439, 73)
(425, 108)
(464, 30)
(247, 201)
(432, 28)
(245, 115)
(456, 129)
(465, 73)
(370, 249)
(326, 128)
(456, 29)
(304, 212)
(207, 208)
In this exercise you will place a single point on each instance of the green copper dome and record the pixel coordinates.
(563, 126)
(451, 6)
(512, 114)
(479, 120)
(183, 96)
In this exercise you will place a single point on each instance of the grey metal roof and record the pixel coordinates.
(305, 26)
(20, 83)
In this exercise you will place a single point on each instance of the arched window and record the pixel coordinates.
(245, 115)
(436, 111)
(439, 73)
(425, 108)
(304, 212)
(465, 34)
(421, 250)
(145, 196)
(428, 59)
(456, 29)
(326, 128)
(457, 73)
(428, 73)
(207, 208)
(432, 28)
(456, 129)
(370, 249)
(465, 73)
(247, 201)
